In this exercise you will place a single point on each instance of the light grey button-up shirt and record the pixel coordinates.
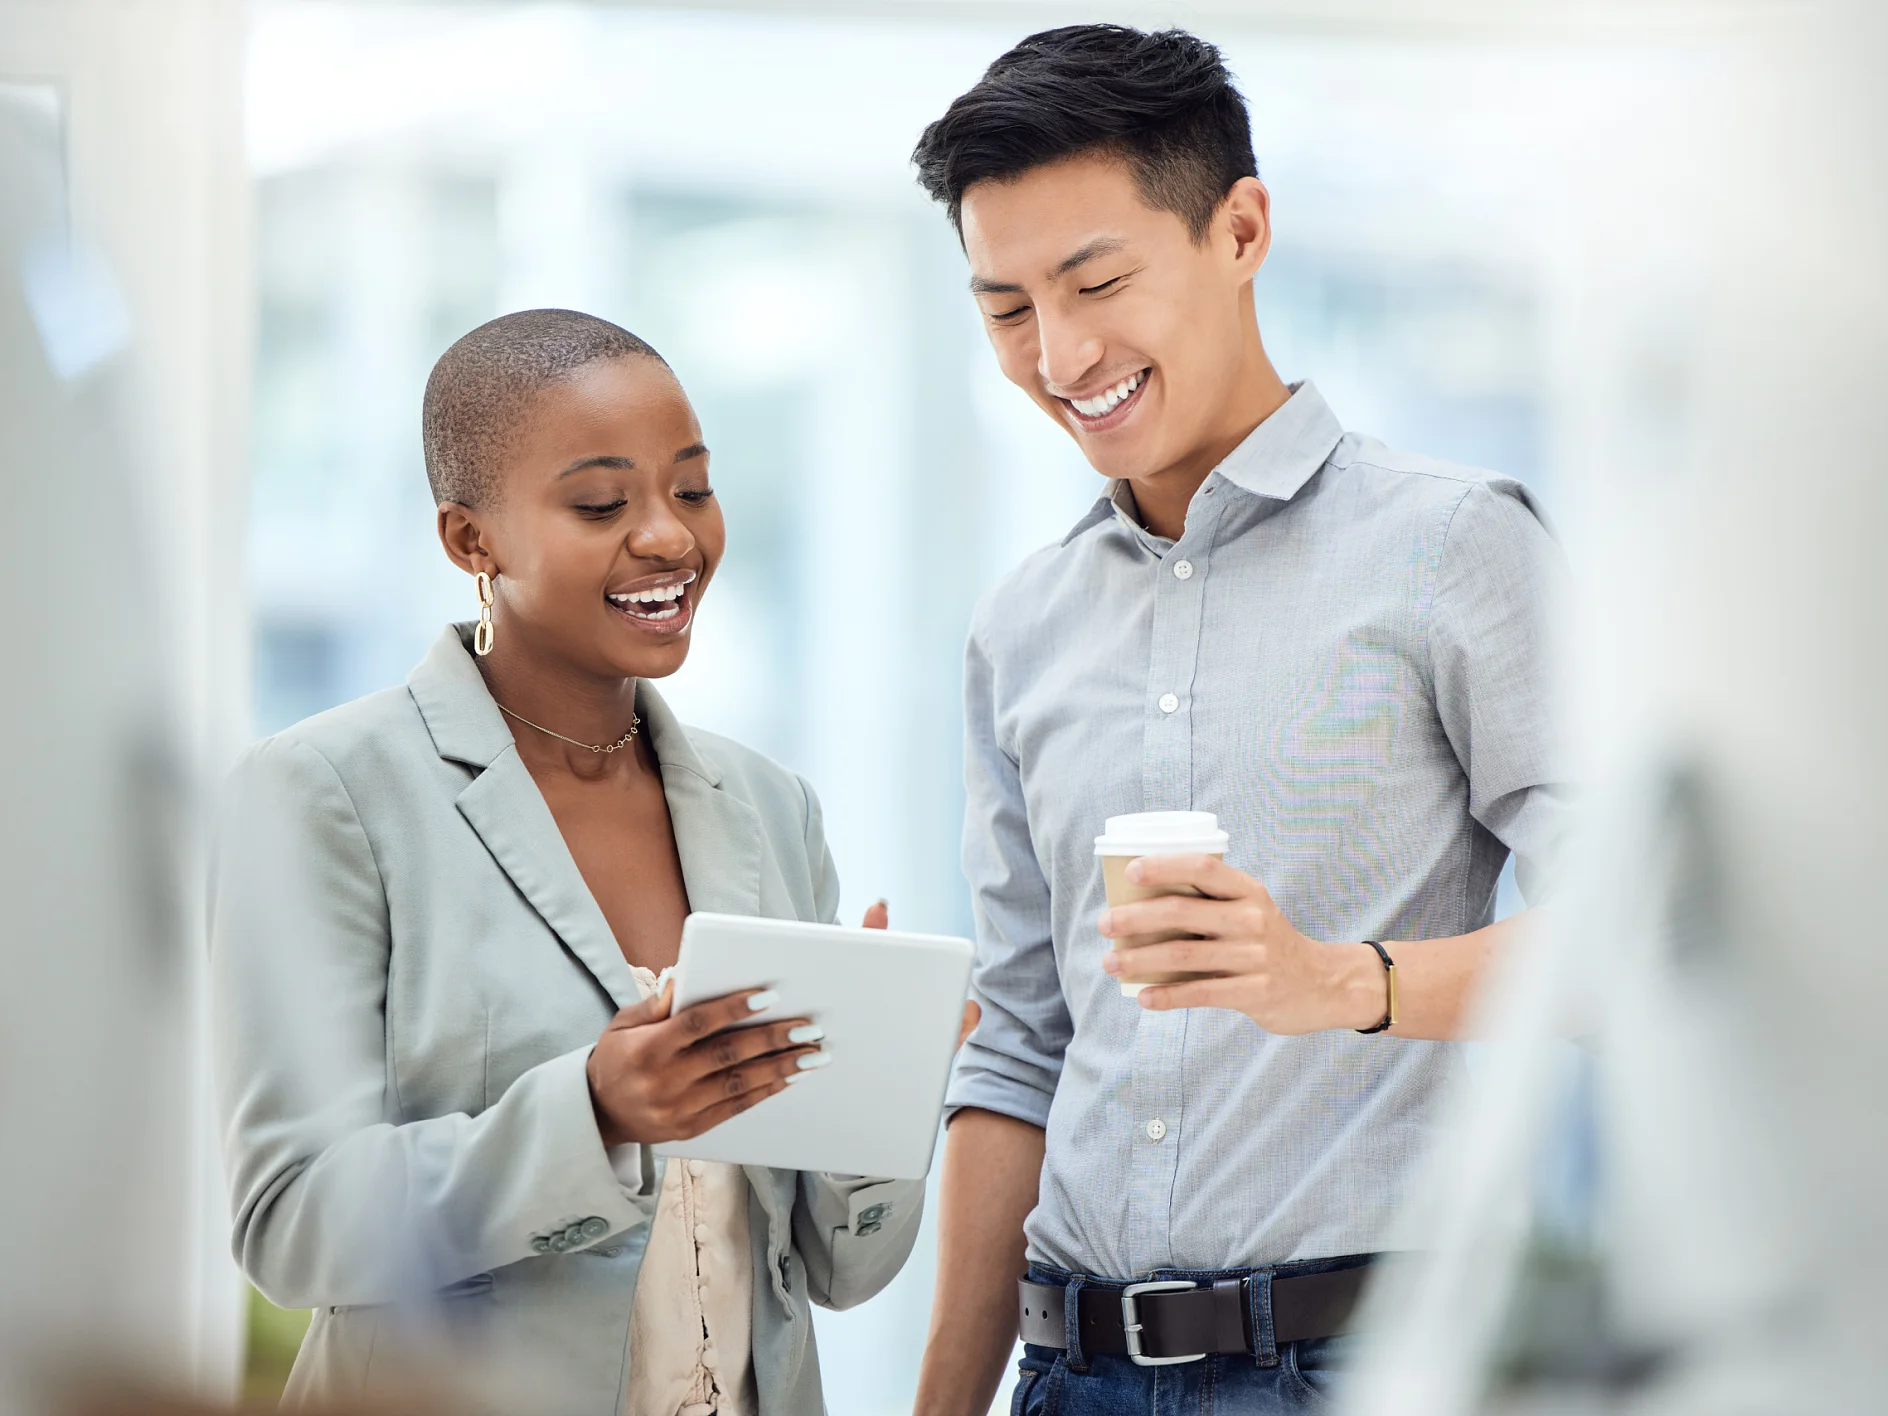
(1343, 657)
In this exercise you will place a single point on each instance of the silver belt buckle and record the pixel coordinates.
(1131, 1320)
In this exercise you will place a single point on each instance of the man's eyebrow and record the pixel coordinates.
(1094, 250)
(615, 464)
(692, 450)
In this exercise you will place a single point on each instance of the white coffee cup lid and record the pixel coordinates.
(1162, 833)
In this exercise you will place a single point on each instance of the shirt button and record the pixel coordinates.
(1156, 1129)
(710, 1357)
(1183, 570)
(696, 1168)
(701, 1234)
(1168, 703)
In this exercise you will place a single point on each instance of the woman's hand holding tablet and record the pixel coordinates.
(661, 1075)
(892, 1009)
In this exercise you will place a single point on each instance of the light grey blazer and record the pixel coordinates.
(408, 975)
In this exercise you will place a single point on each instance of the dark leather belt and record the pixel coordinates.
(1180, 1321)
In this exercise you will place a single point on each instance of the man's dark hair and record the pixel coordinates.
(482, 386)
(1163, 103)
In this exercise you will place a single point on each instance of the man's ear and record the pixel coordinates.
(1245, 216)
(464, 539)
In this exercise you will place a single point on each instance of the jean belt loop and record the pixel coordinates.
(1072, 1325)
(1259, 1304)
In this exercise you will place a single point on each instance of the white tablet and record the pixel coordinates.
(891, 1004)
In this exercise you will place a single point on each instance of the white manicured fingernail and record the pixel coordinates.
(796, 1077)
(762, 1001)
(815, 1059)
(811, 1032)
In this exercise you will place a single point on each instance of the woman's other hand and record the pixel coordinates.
(972, 1016)
(878, 916)
(657, 1076)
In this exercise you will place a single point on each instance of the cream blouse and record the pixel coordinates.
(690, 1339)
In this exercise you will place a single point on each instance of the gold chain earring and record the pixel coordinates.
(482, 636)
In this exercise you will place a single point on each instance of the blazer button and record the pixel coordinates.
(595, 1227)
(872, 1228)
(872, 1214)
(560, 1243)
(541, 1245)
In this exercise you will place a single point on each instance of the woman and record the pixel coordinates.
(439, 916)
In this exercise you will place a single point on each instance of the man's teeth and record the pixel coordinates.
(1105, 401)
(664, 595)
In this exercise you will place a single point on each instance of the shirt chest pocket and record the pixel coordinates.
(1336, 710)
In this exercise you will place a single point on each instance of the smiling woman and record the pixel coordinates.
(448, 904)
(564, 447)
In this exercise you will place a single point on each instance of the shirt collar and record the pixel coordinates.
(1276, 459)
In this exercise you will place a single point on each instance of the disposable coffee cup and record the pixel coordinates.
(1154, 833)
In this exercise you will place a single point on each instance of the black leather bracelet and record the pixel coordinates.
(1389, 974)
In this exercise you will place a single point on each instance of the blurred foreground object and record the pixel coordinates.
(119, 366)
(1727, 1250)
(94, 1010)
(108, 1399)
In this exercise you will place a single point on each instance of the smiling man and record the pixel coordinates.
(1335, 647)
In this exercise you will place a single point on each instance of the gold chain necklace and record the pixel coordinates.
(635, 725)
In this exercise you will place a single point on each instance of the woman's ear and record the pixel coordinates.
(461, 535)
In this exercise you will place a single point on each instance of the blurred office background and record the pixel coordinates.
(1518, 236)
(736, 188)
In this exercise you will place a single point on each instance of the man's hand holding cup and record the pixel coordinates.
(1243, 953)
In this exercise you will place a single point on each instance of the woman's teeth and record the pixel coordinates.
(664, 596)
(1105, 401)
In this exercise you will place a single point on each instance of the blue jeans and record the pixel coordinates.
(1301, 1380)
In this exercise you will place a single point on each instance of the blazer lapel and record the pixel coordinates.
(717, 835)
(504, 806)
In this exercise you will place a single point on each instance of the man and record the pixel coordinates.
(1335, 647)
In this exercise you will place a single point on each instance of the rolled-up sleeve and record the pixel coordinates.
(1491, 632)
(1011, 1063)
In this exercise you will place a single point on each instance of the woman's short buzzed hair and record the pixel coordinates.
(482, 386)
(1163, 103)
